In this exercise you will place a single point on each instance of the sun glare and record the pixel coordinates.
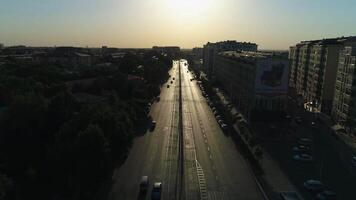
(191, 8)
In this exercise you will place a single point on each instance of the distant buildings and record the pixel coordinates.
(212, 49)
(70, 57)
(256, 82)
(344, 104)
(1, 46)
(167, 49)
(313, 70)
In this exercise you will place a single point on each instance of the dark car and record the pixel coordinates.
(304, 141)
(144, 184)
(289, 196)
(302, 148)
(313, 185)
(326, 195)
(156, 191)
(167, 86)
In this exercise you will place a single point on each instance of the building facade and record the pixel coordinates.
(313, 70)
(344, 107)
(256, 82)
(210, 51)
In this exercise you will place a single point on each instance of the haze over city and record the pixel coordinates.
(177, 99)
(274, 24)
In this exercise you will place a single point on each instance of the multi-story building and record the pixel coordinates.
(293, 59)
(344, 107)
(167, 49)
(313, 70)
(211, 50)
(256, 82)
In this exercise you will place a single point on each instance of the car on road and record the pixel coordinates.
(144, 184)
(173, 78)
(326, 195)
(313, 185)
(156, 191)
(302, 148)
(304, 141)
(303, 157)
(153, 125)
(289, 195)
(167, 85)
(171, 82)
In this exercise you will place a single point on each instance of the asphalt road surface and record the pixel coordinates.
(212, 166)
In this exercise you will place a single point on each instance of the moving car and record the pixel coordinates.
(303, 157)
(326, 195)
(153, 125)
(313, 185)
(156, 191)
(144, 184)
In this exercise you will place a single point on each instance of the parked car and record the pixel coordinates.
(353, 161)
(220, 121)
(302, 148)
(156, 191)
(298, 120)
(289, 196)
(303, 157)
(313, 185)
(326, 195)
(224, 126)
(144, 184)
(218, 117)
(304, 141)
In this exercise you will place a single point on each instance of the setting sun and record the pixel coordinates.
(192, 8)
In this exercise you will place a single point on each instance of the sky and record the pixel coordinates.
(272, 24)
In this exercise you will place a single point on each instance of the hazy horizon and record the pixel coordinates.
(273, 25)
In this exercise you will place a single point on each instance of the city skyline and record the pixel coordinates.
(274, 25)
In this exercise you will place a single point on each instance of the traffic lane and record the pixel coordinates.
(147, 153)
(234, 175)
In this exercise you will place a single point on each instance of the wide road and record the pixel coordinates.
(213, 168)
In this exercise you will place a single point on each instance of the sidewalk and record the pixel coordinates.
(275, 177)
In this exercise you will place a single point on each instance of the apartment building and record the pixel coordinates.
(256, 82)
(344, 107)
(313, 70)
(210, 51)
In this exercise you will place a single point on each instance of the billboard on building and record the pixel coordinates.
(272, 77)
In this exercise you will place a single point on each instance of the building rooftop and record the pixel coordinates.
(246, 55)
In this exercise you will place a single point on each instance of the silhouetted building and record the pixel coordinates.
(313, 70)
(1, 46)
(212, 49)
(197, 52)
(70, 57)
(256, 82)
(167, 49)
(344, 104)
